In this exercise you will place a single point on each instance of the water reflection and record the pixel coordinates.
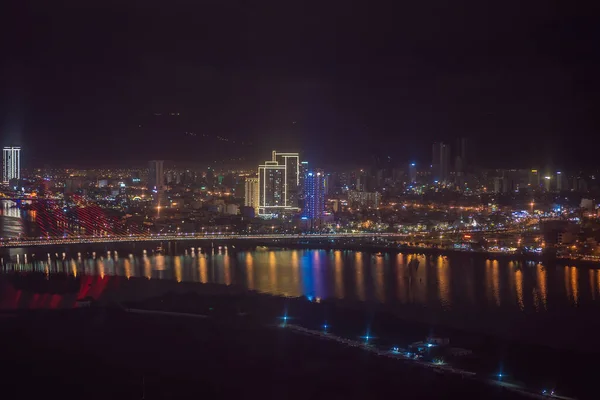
(203, 269)
(542, 285)
(339, 278)
(443, 276)
(519, 288)
(360, 278)
(436, 282)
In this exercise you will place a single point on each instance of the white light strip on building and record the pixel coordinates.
(11, 165)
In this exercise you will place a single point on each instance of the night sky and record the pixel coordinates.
(342, 81)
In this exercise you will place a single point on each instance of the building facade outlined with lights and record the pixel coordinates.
(279, 184)
(11, 164)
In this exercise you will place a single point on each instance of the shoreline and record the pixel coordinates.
(7, 255)
(373, 249)
(523, 360)
(528, 360)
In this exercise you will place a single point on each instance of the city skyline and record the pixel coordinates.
(378, 197)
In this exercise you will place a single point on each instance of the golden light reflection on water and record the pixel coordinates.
(379, 278)
(435, 281)
(159, 262)
(338, 265)
(443, 276)
(127, 267)
(177, 268)
(496, 281)
(574, 282)
(202, 269)
(519, 288)
(542, 284)
(418, 277)
(296, 272)
(73, 267)
(488, 281)
(147, 267)
(227, 268)
(360, 278)
(401, 279)
(100, 264)
(250, 270)
(272, 278)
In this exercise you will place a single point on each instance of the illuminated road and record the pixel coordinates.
(70, 240)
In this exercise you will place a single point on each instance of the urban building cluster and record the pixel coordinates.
(449, 203)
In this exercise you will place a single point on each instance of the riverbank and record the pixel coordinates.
(519, 357)
(173, 248)
(101, 353)
(531, 366)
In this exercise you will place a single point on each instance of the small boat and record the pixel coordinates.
(159, 250)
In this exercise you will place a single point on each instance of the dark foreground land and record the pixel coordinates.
(109, 353)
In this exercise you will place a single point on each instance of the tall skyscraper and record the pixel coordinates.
(440, 161)
(534, 179)
(156, 175)
(547, 183)
(279, 184)
(559, 181)
(291, 162)
(156, 182)
(11, 163)
(251, 193)
(314, 191)
(461, 161)
(412, 172)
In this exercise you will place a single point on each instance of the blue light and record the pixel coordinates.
(325, 326)
(429, 345)
(305, 218)
(413, 164)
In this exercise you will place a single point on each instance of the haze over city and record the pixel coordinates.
(341, 84)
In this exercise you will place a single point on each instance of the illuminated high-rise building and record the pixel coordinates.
(534, 179)
(547, 183)
(279, 184)
(559, 181)
(156, 175)
(251, 193)
(314, 192)
(156, 181)
(461, 161)
(440, 161)
(412, 172)
(11, 163)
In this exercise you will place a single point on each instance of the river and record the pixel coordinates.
(552, 304)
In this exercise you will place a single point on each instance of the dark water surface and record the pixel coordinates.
(549, 304)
